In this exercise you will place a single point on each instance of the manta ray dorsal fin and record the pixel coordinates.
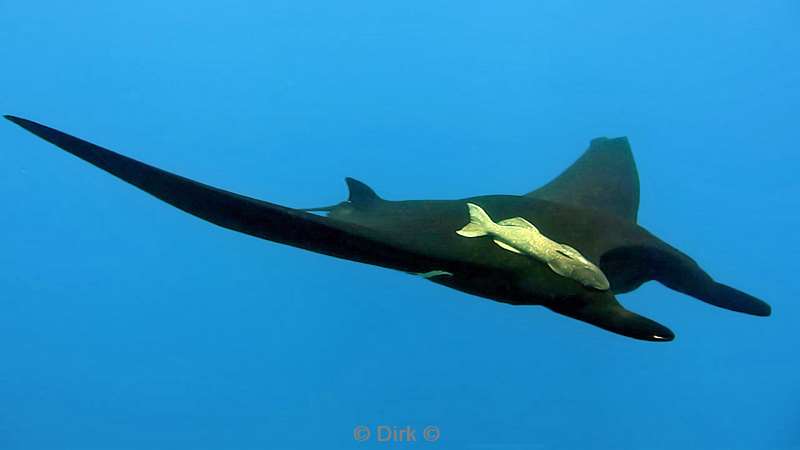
(604, 178)
(360, 193)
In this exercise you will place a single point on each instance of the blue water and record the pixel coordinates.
(127, 324)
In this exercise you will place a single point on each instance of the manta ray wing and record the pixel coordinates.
(604, 178)
(244, 214)
(609, 314)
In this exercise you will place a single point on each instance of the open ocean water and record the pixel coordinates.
(127, 324)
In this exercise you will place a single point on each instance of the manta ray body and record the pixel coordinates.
(591, 208)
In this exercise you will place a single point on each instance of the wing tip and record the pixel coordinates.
(663, 336)
(19, 121)
(733, 299)
(606, 313)
(603, 178)
(14, 119)
(646, 329)
(615, 143)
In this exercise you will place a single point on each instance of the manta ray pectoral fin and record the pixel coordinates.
(507, 247)
(676, 271)
(702, 287)
(517, 222)
(244, 214)
(604, 178)
(681, 273)
(733, 299)
(606, 313)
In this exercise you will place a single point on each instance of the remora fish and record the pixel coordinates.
(520, 236)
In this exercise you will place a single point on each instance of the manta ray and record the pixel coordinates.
(570, 246)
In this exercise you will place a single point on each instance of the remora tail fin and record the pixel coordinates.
(479, 222)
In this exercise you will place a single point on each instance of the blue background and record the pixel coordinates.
(126, 324)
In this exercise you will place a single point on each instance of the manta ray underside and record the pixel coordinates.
(590, 209)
